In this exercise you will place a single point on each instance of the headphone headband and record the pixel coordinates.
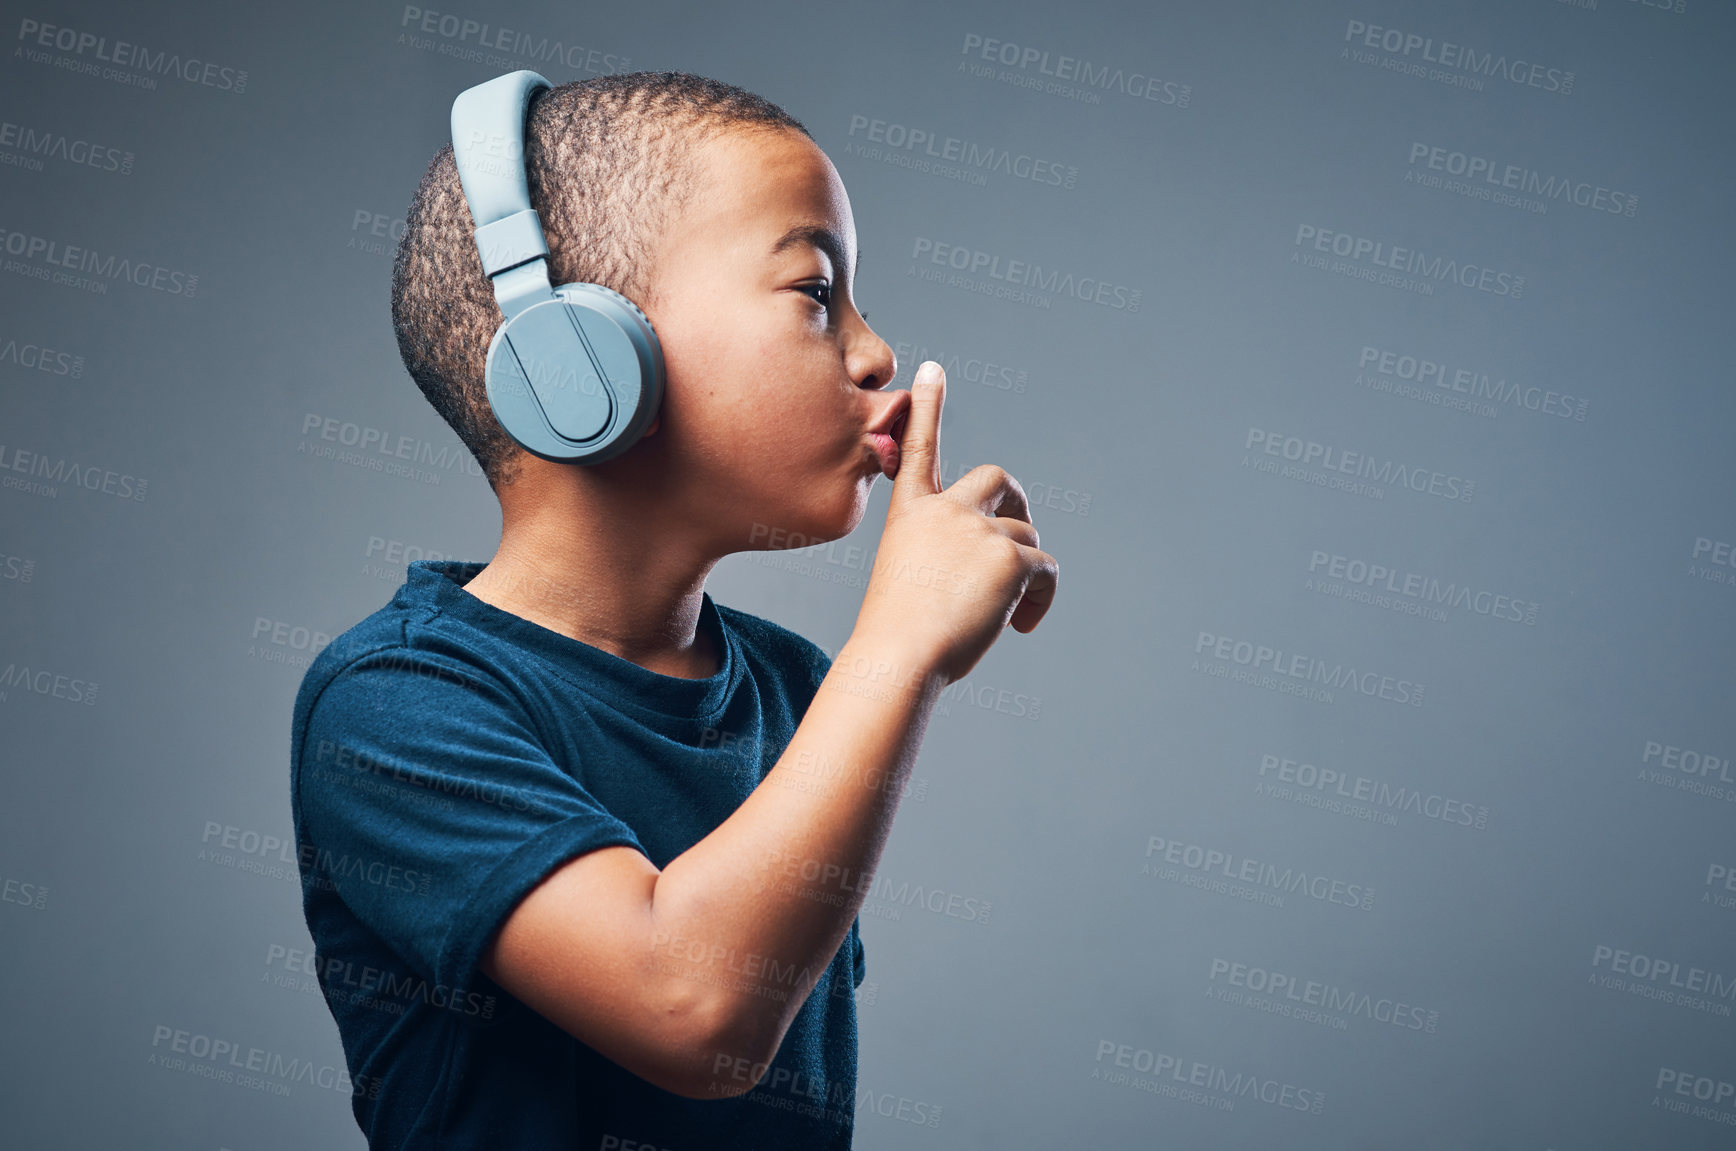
(488, 149)
(575, 373)
(488, 144)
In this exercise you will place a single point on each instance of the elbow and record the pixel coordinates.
(728, 1050)
(731, 1056)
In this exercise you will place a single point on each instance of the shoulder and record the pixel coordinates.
(783, 650)
(384, 631)
(391, 660)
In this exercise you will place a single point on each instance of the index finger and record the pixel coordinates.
(919, 452)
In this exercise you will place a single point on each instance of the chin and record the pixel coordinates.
(813, 523)
(844, 516)
(847, 503)
(858, 505)
(827, 524)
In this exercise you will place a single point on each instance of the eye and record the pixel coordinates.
(824, 296)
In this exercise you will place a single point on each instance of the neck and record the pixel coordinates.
(576, 557)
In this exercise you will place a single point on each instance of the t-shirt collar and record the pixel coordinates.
(439, 584)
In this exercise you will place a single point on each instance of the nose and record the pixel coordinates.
(872, 363)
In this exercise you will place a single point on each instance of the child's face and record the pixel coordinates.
(775, 378)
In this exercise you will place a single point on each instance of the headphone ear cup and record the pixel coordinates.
(578, 377)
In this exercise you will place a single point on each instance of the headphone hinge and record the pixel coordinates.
(518, 288)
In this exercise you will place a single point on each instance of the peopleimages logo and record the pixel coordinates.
(228, 1061)
(477, 40)
(51, 471)
(375, 449)
(98, 51)
(973, 369)
(338, 758)
(375, 232)
(1359, 797)
(21, 677)
(1175, 1077)
(1285, 993)
(1295, 674)
(908, 146)
(1006, 277)
(1410, 593)
(1720, 875)
(1224, 872)
(1408, 268)
(31, 895)
(1337, 463)
(1662, 980)
(1686, 769)
(1712, 1095)
(397, 556)
(1457, 64)
(40, 256)
(380, 989)
(18, 568)
(25, 147)
(1028, 65)
(38, 357)
(1475, 391)
(1521, 187)
(1714, 560)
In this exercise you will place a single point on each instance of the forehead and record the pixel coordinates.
(764, 193)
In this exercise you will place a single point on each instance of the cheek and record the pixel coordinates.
(743, 397)
(773, 402)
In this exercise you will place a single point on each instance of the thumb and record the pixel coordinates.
(919, 450)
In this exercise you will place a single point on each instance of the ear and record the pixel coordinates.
(651, 429)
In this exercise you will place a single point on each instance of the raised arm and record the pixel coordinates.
(690, 976)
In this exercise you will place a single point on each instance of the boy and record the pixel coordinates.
(583, 849)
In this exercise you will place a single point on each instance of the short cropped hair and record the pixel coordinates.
(610, 162)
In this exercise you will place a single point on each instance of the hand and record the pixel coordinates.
(955, 567)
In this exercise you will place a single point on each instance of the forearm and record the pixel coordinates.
(758, 908)
(700, 968)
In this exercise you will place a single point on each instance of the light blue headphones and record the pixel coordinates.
(575, 373)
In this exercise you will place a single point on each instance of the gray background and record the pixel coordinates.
(141, 888)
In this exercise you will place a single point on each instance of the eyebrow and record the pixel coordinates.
(820, 237)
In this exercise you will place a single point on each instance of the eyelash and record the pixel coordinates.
(827, 288)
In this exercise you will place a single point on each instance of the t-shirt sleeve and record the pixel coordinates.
(858, 961)
(430, 806)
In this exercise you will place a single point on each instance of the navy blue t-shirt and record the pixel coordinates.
(446, 757)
